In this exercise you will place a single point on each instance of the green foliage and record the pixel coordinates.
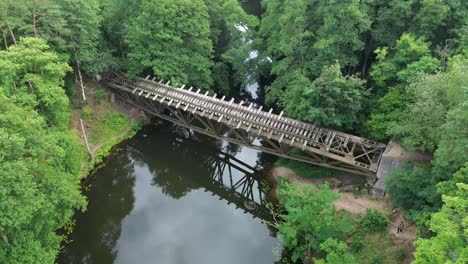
(305, 170)
(337, 252)
(302, 37)
(378, 248)
(311, 220)
(410, 57)
(100, 94)
(357, 242)
(332, 100)
(453, 147)
(107, 125)
(374, 221)
(86, 112)
(232, 33)
(172, 39)
(433, 96)
(40, 159)
(377, 259)
(413, 189)
(401, 254)
(450, 243)
(391, 108)
(37, 73)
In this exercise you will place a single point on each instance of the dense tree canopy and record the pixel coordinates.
(176, 46)
(380, 69)
(332, 100)
(40, 160)
(450, 243)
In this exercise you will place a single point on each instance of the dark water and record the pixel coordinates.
(167, 197)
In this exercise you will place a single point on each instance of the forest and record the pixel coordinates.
(379, 69)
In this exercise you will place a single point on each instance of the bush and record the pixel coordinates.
(99, 96)
(358, 242)
(86, 112)
(377, 259)
(374, 221)
(401, 254)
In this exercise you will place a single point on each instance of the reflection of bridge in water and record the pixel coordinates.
(238, 183)
(243, 125)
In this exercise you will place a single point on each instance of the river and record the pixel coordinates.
(156, 200)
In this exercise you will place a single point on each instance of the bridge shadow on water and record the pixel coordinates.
(211, 164)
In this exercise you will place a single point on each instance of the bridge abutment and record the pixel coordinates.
(393, 158)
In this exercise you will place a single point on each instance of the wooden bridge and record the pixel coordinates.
(244, 124)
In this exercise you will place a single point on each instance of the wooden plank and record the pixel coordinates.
(304, 145)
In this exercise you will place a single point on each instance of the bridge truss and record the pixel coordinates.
(249, 126)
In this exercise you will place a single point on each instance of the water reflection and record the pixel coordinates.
(173, 197)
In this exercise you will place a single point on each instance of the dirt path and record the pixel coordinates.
(356, 205)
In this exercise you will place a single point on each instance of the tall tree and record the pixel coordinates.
(332, 100)
(432, 96)
(232, 33)
(453, 147)
(173, 40)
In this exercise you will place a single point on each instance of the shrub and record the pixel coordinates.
(358, 242)
(374, 221)
(99, 96)
(377, 259)
(86, 112)
(401, 254)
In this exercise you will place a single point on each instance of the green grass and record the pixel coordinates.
(305, 170)
(107, 125)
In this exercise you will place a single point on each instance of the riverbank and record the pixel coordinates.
(106, 122)
(355, 199)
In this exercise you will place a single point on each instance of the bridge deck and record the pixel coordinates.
(354, 151)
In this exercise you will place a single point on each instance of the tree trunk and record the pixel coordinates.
(35, 23)
(12, 35)
(4, 237)
(81, 81)
(367, 53)
(4, 38)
